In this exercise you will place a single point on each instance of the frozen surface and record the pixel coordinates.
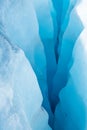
(73, 96)
(71, 113)
(19, 18)
(68, 41)
(43, 64)
(20, 95)
(46, 12)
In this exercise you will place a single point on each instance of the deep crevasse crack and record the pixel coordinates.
(50, 93)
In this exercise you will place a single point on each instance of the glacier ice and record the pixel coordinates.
(20, 96)
(67, 44)
(73, 96)
(43, 63)
(46, 12)
(15, 20)
(70, 113)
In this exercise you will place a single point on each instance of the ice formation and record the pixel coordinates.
(20, 95)
(66, 46)
(15, 21)
(70, 113)
(43, 78)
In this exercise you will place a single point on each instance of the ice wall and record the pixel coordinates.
(47, 18)
(20, 95)
(70, 113)
(19, 18)
(67, 43)
(43, 64)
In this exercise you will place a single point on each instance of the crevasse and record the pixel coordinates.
(43, 65)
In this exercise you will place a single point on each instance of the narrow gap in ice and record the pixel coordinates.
(43, 79)
(71, 110)
(68, 41)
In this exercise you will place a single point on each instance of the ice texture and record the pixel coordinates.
(43, 52)
(45, 12)
(70, 113)
(67, 43)
(20, 19)
(73, 96)
(20, 95)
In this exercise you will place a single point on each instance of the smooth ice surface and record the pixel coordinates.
(81, 9)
